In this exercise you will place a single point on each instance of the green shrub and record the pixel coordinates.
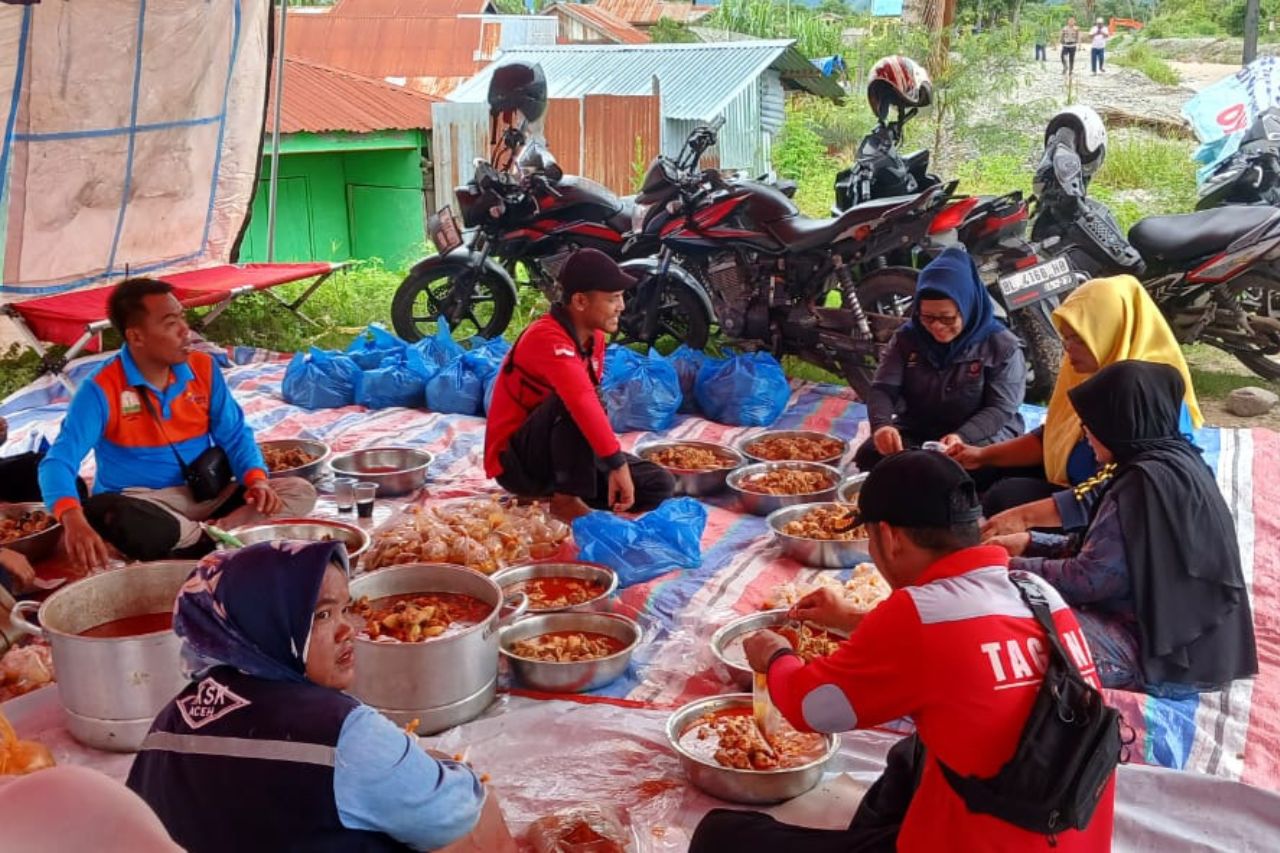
(1140, 56)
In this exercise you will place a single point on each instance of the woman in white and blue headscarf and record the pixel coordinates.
(264, 750)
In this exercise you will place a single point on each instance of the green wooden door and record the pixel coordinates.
(386, 223)
(295, 230)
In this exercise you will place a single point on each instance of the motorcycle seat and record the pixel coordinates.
(1186, 236)
(800, 233)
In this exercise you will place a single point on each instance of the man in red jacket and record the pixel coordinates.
(548, 432)
(955, 648)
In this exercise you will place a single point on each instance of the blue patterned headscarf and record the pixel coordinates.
(252, 608)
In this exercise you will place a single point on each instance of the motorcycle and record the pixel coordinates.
(991, 228)
(764, 272)
(1213, 273)
(1252, 174)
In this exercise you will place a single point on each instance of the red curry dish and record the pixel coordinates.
(419, 616)
(131, 626)
(567, 647)
(730, 738)
(795, 448)
(26, 524)
(554, 593)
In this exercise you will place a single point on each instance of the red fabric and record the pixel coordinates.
(61, 319)
(950, 653)
(547, 360)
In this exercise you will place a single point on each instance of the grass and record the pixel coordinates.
(1140, 56)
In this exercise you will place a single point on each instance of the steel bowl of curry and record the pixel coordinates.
(395, 471)
(723, 752)
(794, 445)
(29, 530)
(824, 535)
(294, 457)
(809, 641)
(699, 467)
(569, 652)
(309, 530)
(560, 587)
(768, 486)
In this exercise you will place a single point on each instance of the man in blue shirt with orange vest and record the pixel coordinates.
(155, 401)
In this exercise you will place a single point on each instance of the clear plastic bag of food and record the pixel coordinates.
(588, 828)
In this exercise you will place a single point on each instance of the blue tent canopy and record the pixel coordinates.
(830, 65)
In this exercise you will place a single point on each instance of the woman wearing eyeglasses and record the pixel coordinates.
(953, 374)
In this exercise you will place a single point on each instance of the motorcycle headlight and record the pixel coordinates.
(638, 213)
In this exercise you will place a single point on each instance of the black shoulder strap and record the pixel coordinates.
(1035, 599)
(146, 401)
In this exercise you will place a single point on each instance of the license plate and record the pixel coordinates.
(443, 230)
(1029, 286)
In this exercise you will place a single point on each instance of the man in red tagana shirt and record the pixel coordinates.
(955, 648)
(548, 432)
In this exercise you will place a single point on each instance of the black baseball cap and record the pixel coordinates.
(592, 269)
(919, 488)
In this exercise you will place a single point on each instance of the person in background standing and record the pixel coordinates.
(1042, 42)
(1098, 46)
(1070, 40)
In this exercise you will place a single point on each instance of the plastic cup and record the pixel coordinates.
(364, 499)
(344, 493)
(935, 446)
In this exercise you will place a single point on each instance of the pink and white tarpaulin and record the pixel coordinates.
(132, 131)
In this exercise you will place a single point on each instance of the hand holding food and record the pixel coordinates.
(17, 565)
(888, 440)
(967, 456)
(827, 608)
(761, 646)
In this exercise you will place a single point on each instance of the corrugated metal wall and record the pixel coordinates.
(564, 133)
(460, 134)
(620, 133)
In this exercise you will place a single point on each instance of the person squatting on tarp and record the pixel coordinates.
(548, 432)
(171, 444)
(956, 647)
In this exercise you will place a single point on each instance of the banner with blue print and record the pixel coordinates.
(132, 131)
(1220, 114)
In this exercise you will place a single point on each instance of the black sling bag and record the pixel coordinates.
(1067, 753)
(208, 474)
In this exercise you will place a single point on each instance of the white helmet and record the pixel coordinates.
(1090, 134)
(898, 81)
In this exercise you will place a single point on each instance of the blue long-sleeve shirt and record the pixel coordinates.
(384, 782)
(110, 416)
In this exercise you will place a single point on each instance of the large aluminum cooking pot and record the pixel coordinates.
(112, 688)
(441, 682)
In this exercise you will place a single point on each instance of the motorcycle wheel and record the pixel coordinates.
(1260, 298)
(424, 296)
(1043, 349)
(681, 319)
(890, 292)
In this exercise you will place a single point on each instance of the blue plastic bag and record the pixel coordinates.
(459, 387)
(743, 390)
(372, 359)
(668, 538)
(688, 362)
(639, 392)
(401, 381)
(320, 380)
(439, 349)
(375, 337)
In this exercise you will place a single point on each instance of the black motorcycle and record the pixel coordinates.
(1213, 273)
(1252, 174)
(766, 273)
(1023, 287)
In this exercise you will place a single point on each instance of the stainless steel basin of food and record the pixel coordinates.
(755, 787)
(694, 483)
(794, 433)
(759, 504)
(440, 682)
(405, 468)
(310, 471)
(575, 676)
(721, 640)
(34, 546)
(819, 553)
(308, 529)
(112, 688)
(603, 575)
(848, 491)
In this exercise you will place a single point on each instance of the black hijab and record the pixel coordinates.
(1189, 592)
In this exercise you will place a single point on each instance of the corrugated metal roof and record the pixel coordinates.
(411, 8)
(319, 99)
(383, 47)
(697, 80)
(646, 13)
(600, 20)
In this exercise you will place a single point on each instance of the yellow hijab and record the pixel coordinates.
(1117, 321)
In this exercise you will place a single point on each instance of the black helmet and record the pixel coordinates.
(518, 86)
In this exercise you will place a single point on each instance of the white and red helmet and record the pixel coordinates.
(898, 81)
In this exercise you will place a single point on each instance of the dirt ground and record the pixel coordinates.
(1216, 373)
(1198, 75)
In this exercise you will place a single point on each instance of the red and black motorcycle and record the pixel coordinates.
(751, 262)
